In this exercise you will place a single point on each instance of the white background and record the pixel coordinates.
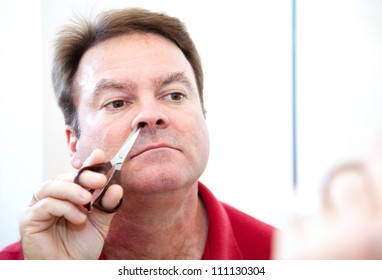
(246, 53)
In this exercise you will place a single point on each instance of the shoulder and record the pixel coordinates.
(12, 252)
(242, 222)
(253, 236)
(250, 231)
(233, 234)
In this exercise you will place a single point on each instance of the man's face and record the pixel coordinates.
(146, 79)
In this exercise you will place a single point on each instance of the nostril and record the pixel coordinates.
(142, 124)
(159, 122)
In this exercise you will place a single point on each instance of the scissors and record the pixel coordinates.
(104, 168)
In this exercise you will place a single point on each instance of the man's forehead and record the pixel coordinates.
(123, 61)
(125, 42)
(125, 50)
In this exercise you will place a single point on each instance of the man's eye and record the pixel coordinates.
(116, 104)
(176, 96)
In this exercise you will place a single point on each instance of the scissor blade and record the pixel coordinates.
(126, 147)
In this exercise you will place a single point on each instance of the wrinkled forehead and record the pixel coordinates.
(132, 58)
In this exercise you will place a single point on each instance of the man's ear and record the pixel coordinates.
(72, 141)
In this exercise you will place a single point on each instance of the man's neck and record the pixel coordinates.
(159, 226)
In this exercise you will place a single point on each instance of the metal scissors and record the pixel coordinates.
(104, 168)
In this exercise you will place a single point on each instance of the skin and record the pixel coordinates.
(120, 83)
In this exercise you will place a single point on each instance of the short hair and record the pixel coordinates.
(75, 39)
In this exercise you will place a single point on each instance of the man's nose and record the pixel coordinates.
(152, 116)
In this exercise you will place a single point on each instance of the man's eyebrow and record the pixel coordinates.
(173, 77)
(161, 81)
(106, 84)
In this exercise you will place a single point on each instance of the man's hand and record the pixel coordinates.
(57, 226)
(349, 224)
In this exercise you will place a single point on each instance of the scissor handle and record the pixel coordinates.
(114, 178)
(99, 168)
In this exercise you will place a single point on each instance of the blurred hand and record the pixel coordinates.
(349, 224)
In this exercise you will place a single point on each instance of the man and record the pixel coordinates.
(134, 68)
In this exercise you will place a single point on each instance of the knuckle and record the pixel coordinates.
(45, 185)
(66, 176)
(43, 203)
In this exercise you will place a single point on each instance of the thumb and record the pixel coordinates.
(96, 157)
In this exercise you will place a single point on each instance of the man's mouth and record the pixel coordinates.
(150, 148)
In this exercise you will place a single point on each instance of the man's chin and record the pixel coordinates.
(156, 183)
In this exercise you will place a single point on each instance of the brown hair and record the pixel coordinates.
(75, 39)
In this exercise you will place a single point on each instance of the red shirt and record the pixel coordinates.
(232, 235)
